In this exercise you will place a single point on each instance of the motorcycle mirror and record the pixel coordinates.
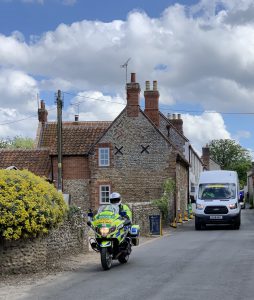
(127, 222)
(90, 213)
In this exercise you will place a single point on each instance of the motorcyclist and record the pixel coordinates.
(124, 210)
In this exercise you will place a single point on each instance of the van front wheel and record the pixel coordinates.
(237, 222)
(197, 224)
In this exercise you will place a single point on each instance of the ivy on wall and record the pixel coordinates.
(163, 202)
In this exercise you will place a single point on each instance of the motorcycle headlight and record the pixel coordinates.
(104, 231)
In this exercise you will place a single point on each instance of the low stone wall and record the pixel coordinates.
(140, 215)
(33, 255)
(30, 256)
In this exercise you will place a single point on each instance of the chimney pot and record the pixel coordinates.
(133, 77)
(152, 103)
(42, 104)
(42, 113)
(177, 122)
(147, 85)
(155, 85)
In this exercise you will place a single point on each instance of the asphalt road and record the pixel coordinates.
(216, 263)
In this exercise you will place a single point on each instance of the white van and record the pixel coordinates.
(217, 199)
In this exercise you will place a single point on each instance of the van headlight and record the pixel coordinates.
(200, 206)
(233, 206)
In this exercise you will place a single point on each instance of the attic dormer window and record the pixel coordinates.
(104, 157)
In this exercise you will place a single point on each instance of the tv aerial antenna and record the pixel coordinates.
(125, 65)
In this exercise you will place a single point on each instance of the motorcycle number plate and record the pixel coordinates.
(105, 221)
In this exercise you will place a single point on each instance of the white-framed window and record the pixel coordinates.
(104, 194)
(103, 157)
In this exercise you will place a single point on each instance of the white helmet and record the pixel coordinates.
(115, 198)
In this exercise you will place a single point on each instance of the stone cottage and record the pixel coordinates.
(133, 155)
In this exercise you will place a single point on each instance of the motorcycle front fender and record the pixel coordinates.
(105, 244)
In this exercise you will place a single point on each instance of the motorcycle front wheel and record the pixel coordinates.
(106, 259)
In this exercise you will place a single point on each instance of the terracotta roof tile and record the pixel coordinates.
(36, 161)
(78, 137)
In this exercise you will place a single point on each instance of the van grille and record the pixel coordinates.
(216, 210)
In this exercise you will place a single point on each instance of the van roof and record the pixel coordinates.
(218, 176)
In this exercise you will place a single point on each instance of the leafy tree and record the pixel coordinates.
(231, 156)
(17, 142)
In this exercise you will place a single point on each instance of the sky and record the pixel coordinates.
(200, 52)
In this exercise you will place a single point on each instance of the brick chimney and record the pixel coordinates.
(42, 113)
(206, 156)
(133, 92)
(152, 103)
(177, 121)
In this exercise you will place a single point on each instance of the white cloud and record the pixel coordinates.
(203, 56)
(200, 130)
(208, 58)
(13, 123)
(93, 106)
(18, 91)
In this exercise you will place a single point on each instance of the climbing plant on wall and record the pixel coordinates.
(163, 202)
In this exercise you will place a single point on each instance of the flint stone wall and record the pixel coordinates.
(33, 255)
(79, 191)
(138, 175)
(140, 215)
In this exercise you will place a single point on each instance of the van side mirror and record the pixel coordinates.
(192, 198)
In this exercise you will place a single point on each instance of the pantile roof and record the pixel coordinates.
(36, 161)
(78, 137)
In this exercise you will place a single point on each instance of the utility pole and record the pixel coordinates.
(59, 103)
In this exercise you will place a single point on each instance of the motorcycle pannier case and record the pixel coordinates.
(134, 233)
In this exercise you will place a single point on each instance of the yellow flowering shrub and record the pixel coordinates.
(29, 205)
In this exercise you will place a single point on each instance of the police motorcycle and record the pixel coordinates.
(114, 235)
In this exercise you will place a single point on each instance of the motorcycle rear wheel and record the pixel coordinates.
(106, 259)
(123, 259)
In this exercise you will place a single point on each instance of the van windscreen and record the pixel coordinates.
(210, 191)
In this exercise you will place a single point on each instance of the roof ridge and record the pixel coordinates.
(23, 150)
(163, 116)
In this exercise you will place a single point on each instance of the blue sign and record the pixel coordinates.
(155, 224)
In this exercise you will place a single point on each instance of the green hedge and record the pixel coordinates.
(29, 205)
